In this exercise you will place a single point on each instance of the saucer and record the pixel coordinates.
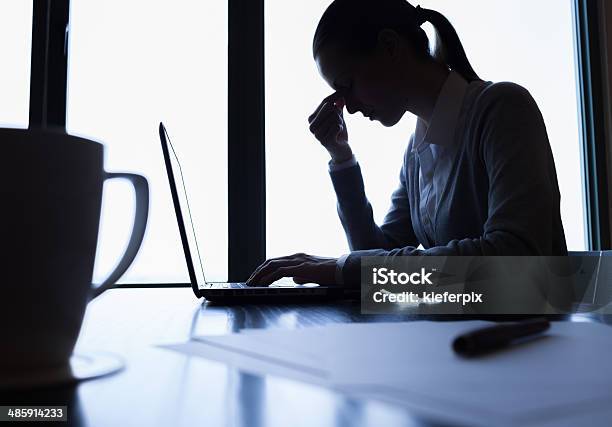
(81, 367)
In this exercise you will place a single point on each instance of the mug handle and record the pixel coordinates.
(141, 187)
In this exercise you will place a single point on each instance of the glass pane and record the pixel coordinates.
(131, 65)
(16, 51)
(518, 41)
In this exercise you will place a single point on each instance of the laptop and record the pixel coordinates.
(229, 292)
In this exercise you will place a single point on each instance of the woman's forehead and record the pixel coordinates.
(334, 63)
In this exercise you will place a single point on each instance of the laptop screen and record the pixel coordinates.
(182, 210)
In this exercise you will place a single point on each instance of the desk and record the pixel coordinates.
(162, 388)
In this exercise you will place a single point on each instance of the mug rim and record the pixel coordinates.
(55, 131)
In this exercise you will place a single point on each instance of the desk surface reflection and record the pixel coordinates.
(162, 388)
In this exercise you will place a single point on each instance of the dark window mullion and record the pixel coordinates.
(48, 63)
(593, 123)
(246, 147)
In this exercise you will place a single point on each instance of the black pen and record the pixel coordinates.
(496, 337)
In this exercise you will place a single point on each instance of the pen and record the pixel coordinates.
(491, 338)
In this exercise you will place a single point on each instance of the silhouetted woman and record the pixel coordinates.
(478, 176)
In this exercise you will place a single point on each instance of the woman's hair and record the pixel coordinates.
(355, 25)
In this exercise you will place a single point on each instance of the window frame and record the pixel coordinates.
(49, 63)
(587, 17)
(246, 118)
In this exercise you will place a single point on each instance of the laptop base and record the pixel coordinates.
(264, 294)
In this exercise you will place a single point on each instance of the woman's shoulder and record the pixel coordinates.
(506, 97)
(505, 114)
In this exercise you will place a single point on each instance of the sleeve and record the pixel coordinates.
(334, 167)
(514, 147)
(356, 214)
(339, 267)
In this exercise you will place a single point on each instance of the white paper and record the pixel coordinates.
(565, 372)
(253, 365)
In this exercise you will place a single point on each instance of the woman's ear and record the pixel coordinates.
(389, 42)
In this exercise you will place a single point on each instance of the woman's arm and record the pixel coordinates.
(329, 128)
(357, 218)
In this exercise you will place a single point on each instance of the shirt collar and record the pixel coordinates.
(441, 129)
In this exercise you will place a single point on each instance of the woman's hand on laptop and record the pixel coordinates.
(302, 267)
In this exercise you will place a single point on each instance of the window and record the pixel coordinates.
(131, 65)
(15, 48)
(522, 41)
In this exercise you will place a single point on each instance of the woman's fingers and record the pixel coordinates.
(306, 268)
(273, 264)
(321, 108)
(322, 131)
(287, 271)
(331, 99)
(323, 121)
(327, 110)
(262, 266)
(332, 134)
(326, 114)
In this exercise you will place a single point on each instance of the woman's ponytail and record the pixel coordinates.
(448, 49)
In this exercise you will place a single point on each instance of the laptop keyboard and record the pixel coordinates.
(228, 285)
(235, 285)
(279, 284)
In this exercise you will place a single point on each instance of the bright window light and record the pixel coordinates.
(15, 50)
(133, 64)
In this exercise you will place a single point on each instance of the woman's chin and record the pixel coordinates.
(386, 121)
